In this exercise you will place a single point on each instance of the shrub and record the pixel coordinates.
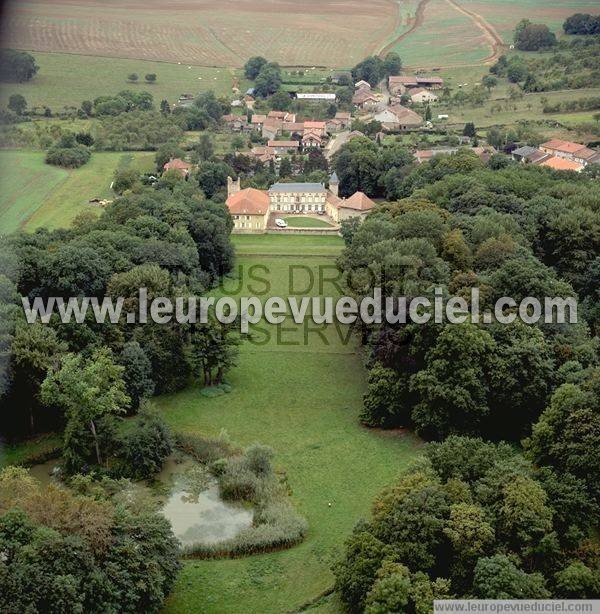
(205, 449)
(68, 157)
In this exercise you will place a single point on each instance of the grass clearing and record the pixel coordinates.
(303, 400)
(34, 194)
(296, 221)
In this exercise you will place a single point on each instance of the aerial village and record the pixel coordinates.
(399, 104)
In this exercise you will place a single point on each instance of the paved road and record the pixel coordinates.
(336, 143)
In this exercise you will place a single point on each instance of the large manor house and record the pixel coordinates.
(252, 209)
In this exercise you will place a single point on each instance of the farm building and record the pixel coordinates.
(284, 116)
(364, 99)
(421, 95)
(362, 85)
(400, 118)
(529, 155)
(399, 85)
(318, 96)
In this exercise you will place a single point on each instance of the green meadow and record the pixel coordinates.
(298, 389)
(34, 194)
(66, 79)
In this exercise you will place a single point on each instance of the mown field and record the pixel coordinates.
(299, 391)
(34, 194)
(445, 37)
(66, 80)
(206, 33)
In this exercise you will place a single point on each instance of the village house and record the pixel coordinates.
(362, 85)
(345, 117)
(311, 139)
(284, 147)
(284, 116)
(249, 100)
(271, 128)
(316, 127)
(421, 95)
(571, 151)
(558, 154)
(364, 99)
(236, 123)
(398, 118)
(261, 153)
(176, 164)
(249, 208)
(257, 121)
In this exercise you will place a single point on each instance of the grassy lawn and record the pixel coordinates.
(66, 79)
(299, 391)
(296, 221)
(34, 194)
(25, 183)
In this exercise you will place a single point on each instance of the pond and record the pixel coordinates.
(189, 500)
(196, 511)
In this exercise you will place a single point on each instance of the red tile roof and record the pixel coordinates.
(358, 201)
(563, 146)
(249, 201)
(560, 164)
(283, 144)
(177, 164)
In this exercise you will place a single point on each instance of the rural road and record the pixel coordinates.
(418, 21)
(335, 144)
(488, 30)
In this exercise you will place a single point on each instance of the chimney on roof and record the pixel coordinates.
(233, 187)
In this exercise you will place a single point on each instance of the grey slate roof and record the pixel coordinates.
(334, 178)
(524, 151)
(297, 187)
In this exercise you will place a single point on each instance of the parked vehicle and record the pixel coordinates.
(280, 223)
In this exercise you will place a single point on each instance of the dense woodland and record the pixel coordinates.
(477, 518)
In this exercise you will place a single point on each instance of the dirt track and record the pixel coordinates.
(419, 16)
(494, 39)
(489, 31)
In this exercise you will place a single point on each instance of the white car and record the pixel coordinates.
(281, 223)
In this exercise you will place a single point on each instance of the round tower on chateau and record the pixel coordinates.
(334, 183)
